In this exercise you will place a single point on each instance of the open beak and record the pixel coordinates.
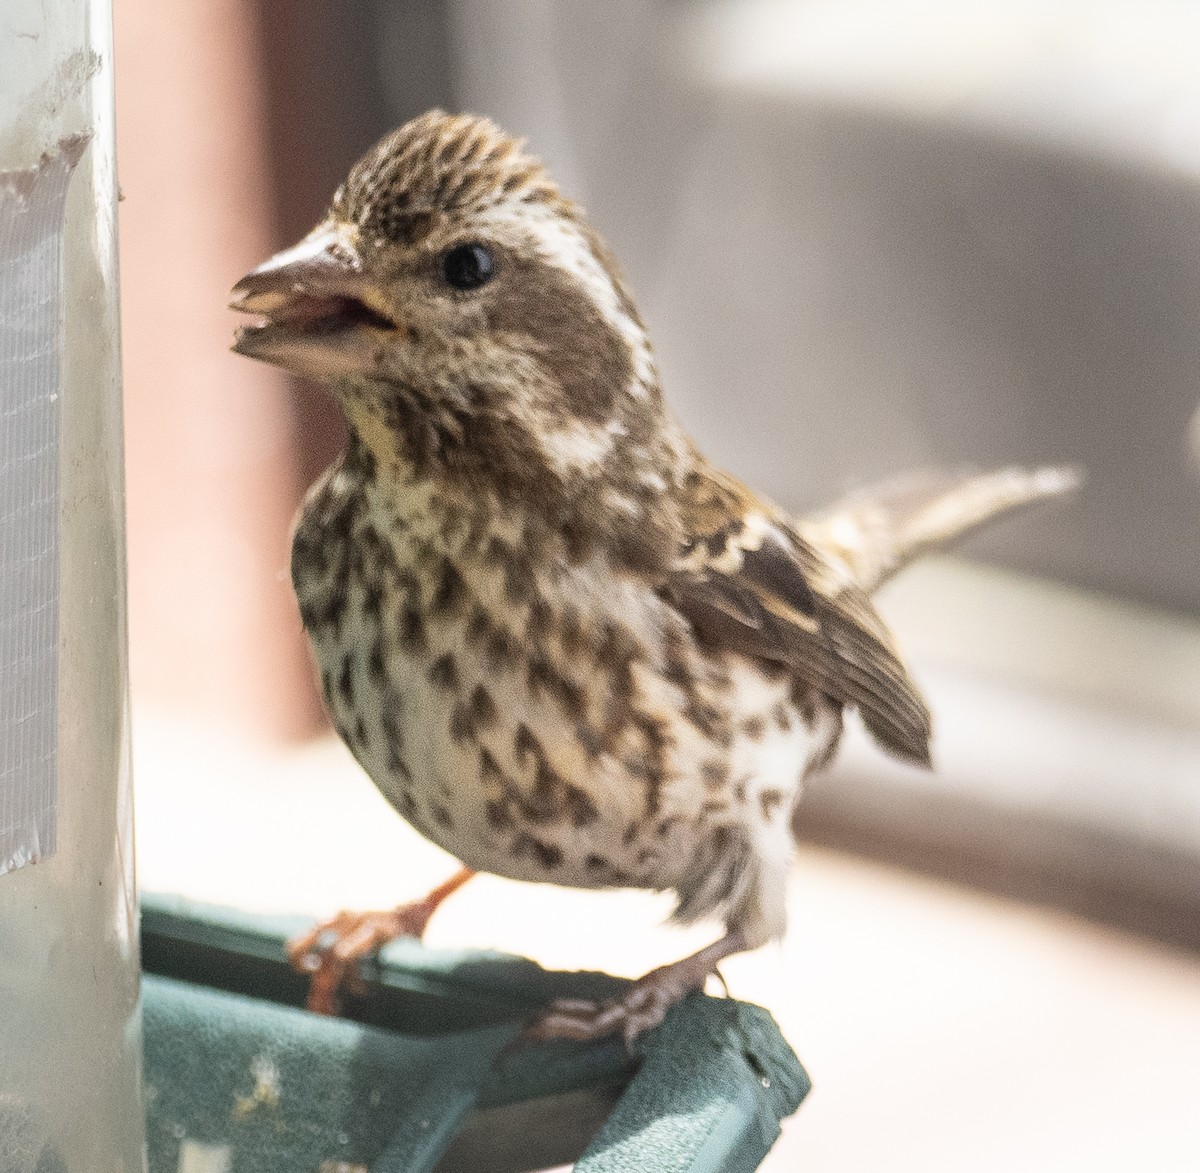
(319, 312)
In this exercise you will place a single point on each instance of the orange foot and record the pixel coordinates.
(331, 950)
(643, 1006)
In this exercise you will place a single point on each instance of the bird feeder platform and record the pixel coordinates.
(425, 1073)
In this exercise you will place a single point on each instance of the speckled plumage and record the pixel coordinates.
(563, 645)
(567, 728)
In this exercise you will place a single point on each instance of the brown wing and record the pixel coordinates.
(747, 581)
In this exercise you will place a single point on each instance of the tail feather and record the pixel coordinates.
(880, 530)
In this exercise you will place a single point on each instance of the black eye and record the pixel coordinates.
(468, 266)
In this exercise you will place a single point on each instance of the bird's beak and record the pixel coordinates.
(321, 314)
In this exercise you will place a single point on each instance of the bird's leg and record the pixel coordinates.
(643, 1006)
(330, 950)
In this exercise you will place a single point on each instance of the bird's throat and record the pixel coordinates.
(372, 432)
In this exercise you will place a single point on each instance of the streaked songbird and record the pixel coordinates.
(563, 644)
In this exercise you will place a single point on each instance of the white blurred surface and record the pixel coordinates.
(1109, 76)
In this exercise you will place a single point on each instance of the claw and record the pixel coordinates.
(331, 950)
(641, 1008)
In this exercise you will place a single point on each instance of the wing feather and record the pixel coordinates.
(749, 582)
(798, 594)
(879, 530)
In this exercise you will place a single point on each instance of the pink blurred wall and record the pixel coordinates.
(214, 456)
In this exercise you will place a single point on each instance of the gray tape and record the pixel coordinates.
(31, 350)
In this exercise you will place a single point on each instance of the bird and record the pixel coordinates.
(566, 646)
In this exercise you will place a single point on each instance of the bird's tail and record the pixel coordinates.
(880, 530)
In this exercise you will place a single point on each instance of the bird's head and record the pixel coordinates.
(469, 319)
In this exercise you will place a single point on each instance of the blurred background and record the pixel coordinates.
(867, 235)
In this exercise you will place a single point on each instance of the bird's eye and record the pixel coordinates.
(468, 266)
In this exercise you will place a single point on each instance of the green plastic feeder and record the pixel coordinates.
(424, 1073)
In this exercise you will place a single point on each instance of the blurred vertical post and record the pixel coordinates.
(69, 1023)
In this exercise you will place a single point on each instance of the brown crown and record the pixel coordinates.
(434, 165)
